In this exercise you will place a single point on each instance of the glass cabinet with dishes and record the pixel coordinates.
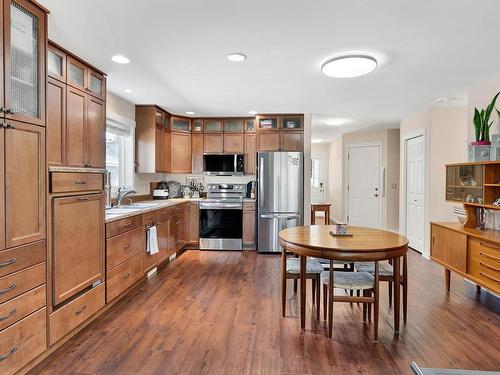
(464, 183)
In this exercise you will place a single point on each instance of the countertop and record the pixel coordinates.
(159, 204)
(76, 170)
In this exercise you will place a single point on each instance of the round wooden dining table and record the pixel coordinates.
(365, 244)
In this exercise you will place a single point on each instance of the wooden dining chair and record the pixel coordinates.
(350, 281)
(313, 272)
(387, 274)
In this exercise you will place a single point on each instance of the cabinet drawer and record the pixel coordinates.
(178, 208)
(68, 182)
(149, 261)
(177, 242)
(123, 276)
(21, 257)
(76, 312)
(124, 246)
(176, 223)
(123, 225)
(21, 306)
(19, 282)
(484, 263)
(22, 342)
(248, 206)
(149, 217)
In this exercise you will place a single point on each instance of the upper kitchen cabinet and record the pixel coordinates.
(180, 152)
(233, 126)
(280, 132)
(267, 122)
(180, 124)
(25, 36)
(292, 122)
(153, 140)
(249, 125)
(213, 126)
(76, 111)
(197, 126)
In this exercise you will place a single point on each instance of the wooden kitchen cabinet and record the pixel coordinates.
(268, 141)
(292, 140)
(233, 143)
(196, 153)
(250, 153)
(233, 126)
(180, 152)
(77, 73)
(95, 133)
(167, 157)
(212, 126)
(159, 140)
(56, 122)
(24, 168)
(56, 63)
(213, 143)
(76, 117)
(249, 224)
(192, 223)
(96, 84)
(2, 191)
(162, 232)
(78, 246)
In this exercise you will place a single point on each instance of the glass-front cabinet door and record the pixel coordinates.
(249, 125)
(464, 183)
(77, 74)
(24, 61)
(180, 124)
(213, 126)
(56, 63)
(197, 126)
(96, 84)
(233, 126)
(291, 122)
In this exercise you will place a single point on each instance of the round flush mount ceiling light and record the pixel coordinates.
(441, 100)
(349, 66)
(129, 91)
(190, 113)
(236, 57)
(120, 59)
(252, 113)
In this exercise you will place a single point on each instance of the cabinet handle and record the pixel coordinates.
(489, 277)
(126, 225)
(80, 182)
(83, 198)
(489, 256)
(177, 222)
(488, 245)
(125, 275)
(149, 218)
(78, 312)
(5, 356)
(126, 246)
(433, 238)
(9, 126)
(8, 263)
(489, 267)
(12, 313)
(3, 291)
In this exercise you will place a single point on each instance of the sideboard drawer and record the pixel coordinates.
(19, 282)
(22, 256)
(484, 262)
(123, 225)
(124, 246)
(75, 313)
(22, 342)
(21, 306)
(70, 182)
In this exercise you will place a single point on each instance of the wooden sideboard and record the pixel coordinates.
(472, 253)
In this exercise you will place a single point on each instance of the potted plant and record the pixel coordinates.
(482, 123)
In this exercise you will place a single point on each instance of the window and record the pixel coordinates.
(120, 151)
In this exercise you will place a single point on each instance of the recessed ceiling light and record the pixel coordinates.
(129, 91)
(337, 122)
(441, 100)
(349, 66)
(316, 140)
(120, 59)
(236, 57)
(190, 113)
(253, 113)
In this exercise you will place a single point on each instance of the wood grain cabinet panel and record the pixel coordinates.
(96, 84)
(181, 153)
(250, 154)
(20, 257)
(76, 117)
(21, 306)
(95, 133)
(177, 242)
(484, 263)
(167, 156)
(192, 223)
(64, 182)
(197, 152)
(56, 63)
(123, 276)
(78, 248)
(149, 261)
(70, 316)
(162, 232)
(292, 140)
(124, 246)
(159, 149)
(28, 337)
(19, 282)
(233, 143)
(77, 73)
(56, 122)
(2, 187)
(213, 143)
(24, 184)
(449, 248)
(268, 141)
(123, 225)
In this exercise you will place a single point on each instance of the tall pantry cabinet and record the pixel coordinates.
(23, 251)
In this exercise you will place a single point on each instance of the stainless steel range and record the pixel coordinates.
(221, 217)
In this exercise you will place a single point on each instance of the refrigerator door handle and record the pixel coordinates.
(280, 216)
(261, 181)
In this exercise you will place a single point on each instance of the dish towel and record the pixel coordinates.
(152, 241)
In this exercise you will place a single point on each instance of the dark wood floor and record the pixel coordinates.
(219, 313)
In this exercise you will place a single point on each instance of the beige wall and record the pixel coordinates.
(480, 96)
(335, 168)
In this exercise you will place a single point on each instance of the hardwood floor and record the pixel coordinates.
(219, 313)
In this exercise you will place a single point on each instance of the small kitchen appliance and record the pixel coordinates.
(161, 191)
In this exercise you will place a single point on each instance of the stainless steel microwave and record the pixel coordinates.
(223, 164)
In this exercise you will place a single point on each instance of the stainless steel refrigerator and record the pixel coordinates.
(280, 196)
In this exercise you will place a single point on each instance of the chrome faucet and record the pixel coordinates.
(122, 193)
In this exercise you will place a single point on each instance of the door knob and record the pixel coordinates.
(375, 195)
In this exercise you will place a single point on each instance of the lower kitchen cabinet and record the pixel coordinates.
(78, 244)
(21, 306)
(249, 224)
(149, 261)
(192, 220)
(162, 232)
(17, 283)
(124, 246)
(177, 242)
(70, 316)
(123, 276)
(23, 341)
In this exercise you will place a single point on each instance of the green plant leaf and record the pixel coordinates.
(477, 123)
(490, 107)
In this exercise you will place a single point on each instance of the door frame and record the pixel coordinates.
(380, 176)
(403, 191)
(324, 156)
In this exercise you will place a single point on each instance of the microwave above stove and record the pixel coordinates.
(223, 164)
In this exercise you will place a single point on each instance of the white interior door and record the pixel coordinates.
(318, 178)
(415, 160)
(363, 206)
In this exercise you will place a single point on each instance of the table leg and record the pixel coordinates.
(313, 217)
(330, 301)
(397, 293)
(327, 217)
(302, 292)
(447, 278)
(283, 282)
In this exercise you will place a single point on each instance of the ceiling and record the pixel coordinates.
(178, 49)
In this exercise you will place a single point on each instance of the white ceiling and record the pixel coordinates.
(426, 49)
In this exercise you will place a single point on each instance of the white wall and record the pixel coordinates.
(322, 149)
(335, 181)
(480, 96)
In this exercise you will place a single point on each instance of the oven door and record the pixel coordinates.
(221, 226)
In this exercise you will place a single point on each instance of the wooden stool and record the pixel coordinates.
(322, 207)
